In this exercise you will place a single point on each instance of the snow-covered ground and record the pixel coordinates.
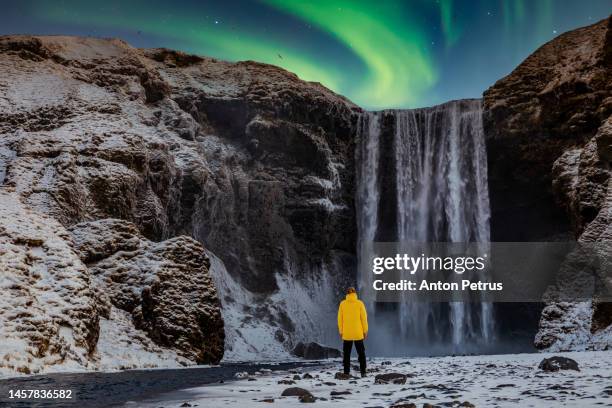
(482, 381)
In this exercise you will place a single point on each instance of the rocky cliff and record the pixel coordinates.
(549, 148)
(130, 151)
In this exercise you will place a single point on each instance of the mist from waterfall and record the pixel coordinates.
(422, 177)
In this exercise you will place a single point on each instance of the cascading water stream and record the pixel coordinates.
(368, 194)
(440, 195)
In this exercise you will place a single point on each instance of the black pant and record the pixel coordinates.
(347, 346)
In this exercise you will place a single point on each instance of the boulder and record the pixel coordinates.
(315, 351)
(390, 378)
(557, 363)
(295, 392)
(336, 393)
(165, 286)
(307, 398)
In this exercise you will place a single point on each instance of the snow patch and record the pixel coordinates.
(122, 346)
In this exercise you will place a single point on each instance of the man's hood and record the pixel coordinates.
(351, 297)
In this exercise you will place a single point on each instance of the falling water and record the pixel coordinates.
(368, 194)
(441, 195)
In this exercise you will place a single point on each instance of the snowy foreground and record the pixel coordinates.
(481, 381)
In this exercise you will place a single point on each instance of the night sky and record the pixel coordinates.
(380, 54)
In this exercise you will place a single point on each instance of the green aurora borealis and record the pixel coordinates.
(380, 54)
(392, 49)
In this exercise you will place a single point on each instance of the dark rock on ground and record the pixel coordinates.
(315, 351)
(309, 398)
(557, 363)
(336, 393)
(342, 376)
(295, 392)
(505, 385)
(390, 378)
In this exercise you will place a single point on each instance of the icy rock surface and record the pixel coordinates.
(101, 296)
(48, 308)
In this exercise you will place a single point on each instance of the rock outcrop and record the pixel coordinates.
(65, 294)
(245, 158)
(315, 351)
(165, 286)
(557, 363)
(550, 129)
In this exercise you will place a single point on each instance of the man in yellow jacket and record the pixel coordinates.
(353, 328)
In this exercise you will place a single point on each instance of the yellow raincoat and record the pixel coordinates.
(352, 318)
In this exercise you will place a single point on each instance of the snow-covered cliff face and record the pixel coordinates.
(100, 296)
(48, 307)
(246, 158)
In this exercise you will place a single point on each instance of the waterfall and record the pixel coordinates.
(368, 192)
(422, 177)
